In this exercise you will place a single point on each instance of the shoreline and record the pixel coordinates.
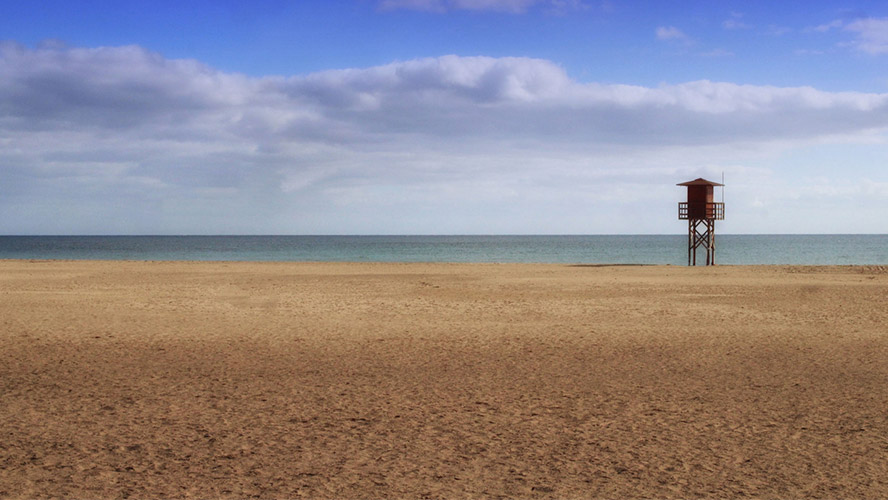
(331, 380)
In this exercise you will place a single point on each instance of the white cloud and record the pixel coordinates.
(511, 6)
(808, 52)
(735, 22)
(428, 5)
(838, 23)
(141, 143)
(717, 53)
(670, 33)
(775, 30)
(871, 35)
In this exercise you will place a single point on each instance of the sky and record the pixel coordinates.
(440, 116)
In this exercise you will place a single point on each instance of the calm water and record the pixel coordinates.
(657, 249)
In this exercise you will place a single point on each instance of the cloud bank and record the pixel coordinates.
(121, 139)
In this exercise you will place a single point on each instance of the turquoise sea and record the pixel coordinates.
(589, 249)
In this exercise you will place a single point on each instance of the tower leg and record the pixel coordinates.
(712, 240)
(708, 243)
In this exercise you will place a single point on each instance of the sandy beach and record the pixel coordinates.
(291, 380)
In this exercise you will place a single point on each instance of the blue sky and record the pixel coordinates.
(440, 116)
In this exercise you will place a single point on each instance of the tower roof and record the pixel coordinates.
(699, 181)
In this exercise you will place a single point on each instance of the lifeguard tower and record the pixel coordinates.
(701, 212)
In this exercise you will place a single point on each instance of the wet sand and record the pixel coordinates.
(290, 380)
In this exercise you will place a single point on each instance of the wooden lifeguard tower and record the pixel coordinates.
(701, 212)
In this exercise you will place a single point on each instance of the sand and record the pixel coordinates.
(290, 380)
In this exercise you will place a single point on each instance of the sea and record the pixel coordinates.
(838, 249)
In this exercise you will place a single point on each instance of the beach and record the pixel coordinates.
(387, 380)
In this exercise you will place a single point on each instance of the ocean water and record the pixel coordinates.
(588, 249)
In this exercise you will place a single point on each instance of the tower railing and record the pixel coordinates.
(701, 210)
